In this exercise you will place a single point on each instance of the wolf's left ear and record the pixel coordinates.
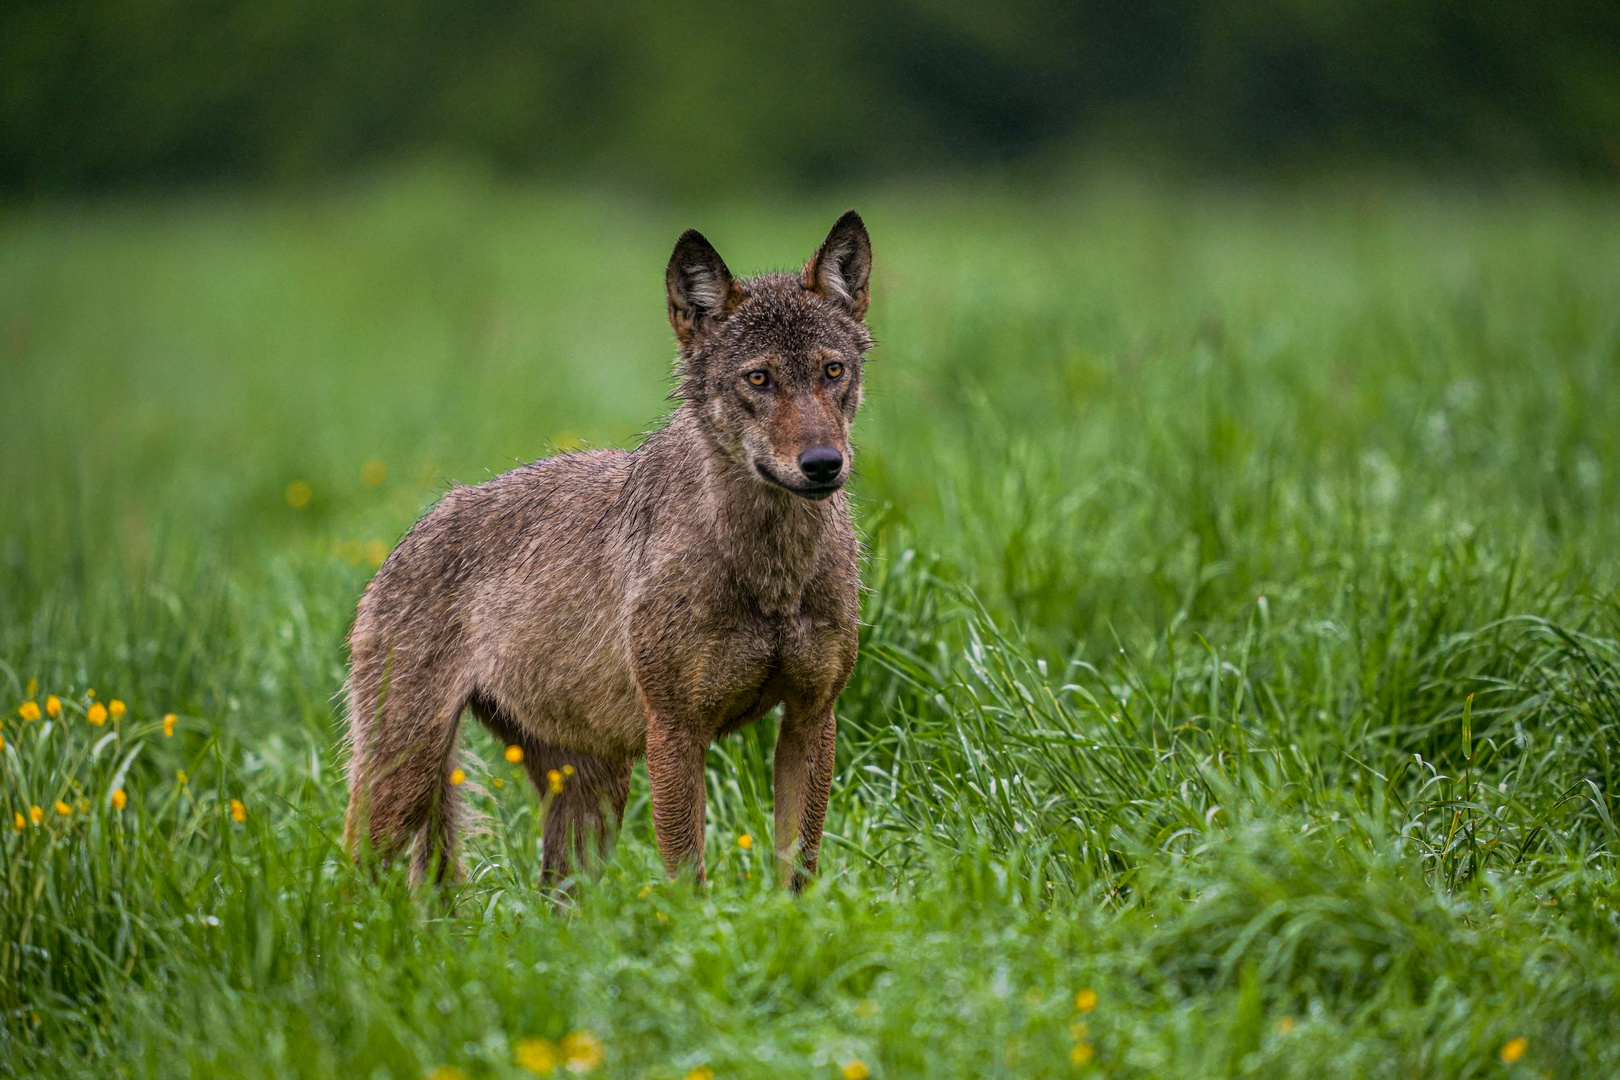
(841, 271)
(701, 290)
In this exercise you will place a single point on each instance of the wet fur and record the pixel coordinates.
(596, 607)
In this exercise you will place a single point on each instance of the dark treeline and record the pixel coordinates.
(114, 93)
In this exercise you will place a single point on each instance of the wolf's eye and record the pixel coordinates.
(834, 370)
(758, 378)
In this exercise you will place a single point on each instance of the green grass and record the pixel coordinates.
(1243, 639)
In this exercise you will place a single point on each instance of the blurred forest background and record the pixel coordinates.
(706, 99)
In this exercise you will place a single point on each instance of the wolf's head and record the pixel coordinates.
(772, 364)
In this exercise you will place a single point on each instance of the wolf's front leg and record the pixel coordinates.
(675, 774)
(805, 748)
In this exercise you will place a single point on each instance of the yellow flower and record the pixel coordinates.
(20, 821)
(745, 841)
(238, 811)
(168, 725)
(583, 1051)
(702, 1072)
(90, 693)
(568, 770)
(53, 706)
(855, 1069)
(2, 742)
(458, 777)
(556, 780)
(1514, 1049)
(514, 754)
(97, 714)
(1081, 1054)
(298, 494)
(180, 775)
(119, 799)
(36, 815)
(497, 782)
(28, 710)
(116, 708)
(373, 472)
(646, 891)
(63, 808)
(538, 1055)
(1085, 1000)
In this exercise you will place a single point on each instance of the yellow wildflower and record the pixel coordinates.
(745, 841)
(538, 1055)
(583, 1051)
(91, 693)
(458, 777)
(116, 708)
(63, 808)
(514, 754)
(855, 1069)
(2, 742)
(238, 811)
(119, 799)
(53, 706)
(555, 778)
(19, 821)
(36, 815)
(497, 782)
(1514, 1049)
(298, 494)
(168, 725)
(1085, 1000)
(568, 770)
(646, 891)
(28, 710)
(180, 775)
(1081, 1054)
(373, 472)
(97, 714)
(702, 1072)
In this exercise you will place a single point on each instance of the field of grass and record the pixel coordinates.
(1240, 693)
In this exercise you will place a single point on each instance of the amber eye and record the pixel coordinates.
(834, 370)
(758, 378)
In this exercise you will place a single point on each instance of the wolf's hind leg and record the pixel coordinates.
(587, 793)
(399, 783)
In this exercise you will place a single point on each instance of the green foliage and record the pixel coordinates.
(708, 98)
(1242, 642)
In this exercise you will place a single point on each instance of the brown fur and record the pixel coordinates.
(595, 607)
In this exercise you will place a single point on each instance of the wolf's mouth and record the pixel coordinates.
(813, 492)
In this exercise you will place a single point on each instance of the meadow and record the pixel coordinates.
(1239, 691)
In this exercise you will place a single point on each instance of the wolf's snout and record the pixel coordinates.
(821, 464)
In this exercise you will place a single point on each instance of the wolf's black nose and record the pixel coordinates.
(821, 464)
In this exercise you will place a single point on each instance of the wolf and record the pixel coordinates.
(597, 607)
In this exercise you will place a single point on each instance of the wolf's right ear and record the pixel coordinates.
(841, 269)
(701, 290)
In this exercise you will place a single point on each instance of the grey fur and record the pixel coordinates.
(596, 607)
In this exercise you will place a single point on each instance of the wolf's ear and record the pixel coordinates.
(841, 271)
(701, 290)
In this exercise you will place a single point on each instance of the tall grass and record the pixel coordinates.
(1241, 641)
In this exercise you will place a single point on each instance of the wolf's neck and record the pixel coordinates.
(771, 539)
